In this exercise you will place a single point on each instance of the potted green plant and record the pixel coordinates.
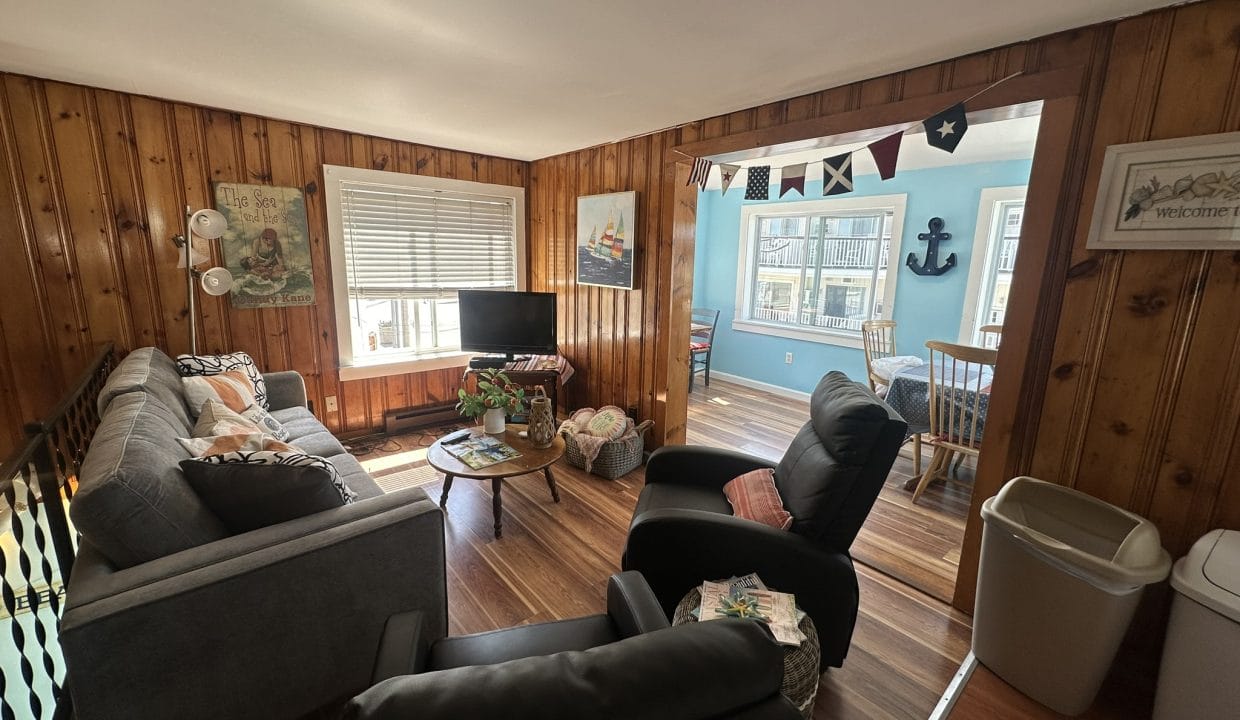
(496, 398)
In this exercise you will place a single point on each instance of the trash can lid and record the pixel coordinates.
(1210, 573)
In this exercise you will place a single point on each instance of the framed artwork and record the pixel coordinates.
(1169, 195)
(606, 230)
(266, 247)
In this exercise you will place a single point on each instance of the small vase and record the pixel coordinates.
(493, 421)
(542, 420)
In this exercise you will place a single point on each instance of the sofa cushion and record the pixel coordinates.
(251, 495)
(189, 365)
(322, 443)
(230, 388)
(358, 480)
(149, 370)
(817, 473)
(298, 421)
(132, 502)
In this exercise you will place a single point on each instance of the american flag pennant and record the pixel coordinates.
(727, 173)
(700, 172)
(792, 177)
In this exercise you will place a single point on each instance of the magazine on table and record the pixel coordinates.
(748, 597)
(482, 451)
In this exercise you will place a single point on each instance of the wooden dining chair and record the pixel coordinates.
(701, 342)
(959, 376)
(878, 340)
(991, 335)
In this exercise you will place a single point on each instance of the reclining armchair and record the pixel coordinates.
(683, 530)
(626, 663)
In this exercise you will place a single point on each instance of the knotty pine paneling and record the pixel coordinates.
(1133, 386)
(93, 184)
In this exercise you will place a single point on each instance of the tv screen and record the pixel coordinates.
(507, 322)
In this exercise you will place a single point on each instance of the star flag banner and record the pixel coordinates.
(792, 177)
(886, 152)
(756, 185)
(945, 130)
(700, 172)
(837, 174)
(727, 173)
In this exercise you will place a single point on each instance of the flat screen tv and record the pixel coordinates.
(508, 323)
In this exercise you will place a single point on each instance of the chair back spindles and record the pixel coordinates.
(878, 339)
(958, 376)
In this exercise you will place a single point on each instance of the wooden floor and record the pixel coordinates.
(553, 562)
(919, 544)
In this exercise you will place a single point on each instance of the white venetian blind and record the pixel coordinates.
(403, 242)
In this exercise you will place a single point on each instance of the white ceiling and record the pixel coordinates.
(523, 79)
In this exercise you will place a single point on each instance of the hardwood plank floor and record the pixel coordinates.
(919, 544)
(554, 560)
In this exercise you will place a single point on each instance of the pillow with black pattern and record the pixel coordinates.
(248, 490)
(190, 365)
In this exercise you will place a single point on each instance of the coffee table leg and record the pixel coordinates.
(555, 494)
(497, 505)
(447, 485)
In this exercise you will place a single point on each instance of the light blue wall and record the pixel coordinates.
(926, 308)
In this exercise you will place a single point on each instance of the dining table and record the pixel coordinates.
(909, 395)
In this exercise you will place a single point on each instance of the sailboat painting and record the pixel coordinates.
(605, 239)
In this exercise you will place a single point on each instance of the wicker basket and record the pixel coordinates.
(615, 458)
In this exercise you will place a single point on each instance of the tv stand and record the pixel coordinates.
(483, 362)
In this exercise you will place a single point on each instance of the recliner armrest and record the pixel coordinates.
(632, 606)
(403, 647)
(285, 389)
(699, 465)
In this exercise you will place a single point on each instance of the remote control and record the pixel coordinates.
(453, 438)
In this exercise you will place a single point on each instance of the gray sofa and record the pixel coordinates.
(167, 615)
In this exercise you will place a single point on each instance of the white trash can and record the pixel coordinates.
(1060, 577)
(1197, 680)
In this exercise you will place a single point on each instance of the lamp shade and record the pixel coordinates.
(207, 223)
(196, 255)
(216, 281)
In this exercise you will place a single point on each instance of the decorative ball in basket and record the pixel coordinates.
(541, 429)
(604, 442)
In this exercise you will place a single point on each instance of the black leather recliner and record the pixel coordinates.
(625, 664)
(683, 530)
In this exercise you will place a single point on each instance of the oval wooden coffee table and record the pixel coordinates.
(532, 460)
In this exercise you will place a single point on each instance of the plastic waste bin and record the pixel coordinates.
(1197, 680)
(1060, 577)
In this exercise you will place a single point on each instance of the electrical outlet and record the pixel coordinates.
(787, 358)
(330, 402)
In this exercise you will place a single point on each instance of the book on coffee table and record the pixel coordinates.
(483, 451)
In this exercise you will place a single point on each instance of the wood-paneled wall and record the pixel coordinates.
(93, 183)
(1134, 380)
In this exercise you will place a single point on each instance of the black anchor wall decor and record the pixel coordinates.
(932, 239)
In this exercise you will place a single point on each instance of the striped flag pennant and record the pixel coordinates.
(700, 172)
(792, 177)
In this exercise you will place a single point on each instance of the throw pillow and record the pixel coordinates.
(609, 422)
(218, 419)
(231, 388)
(754, 497)
(189, 365)
(220, 444)
(250, 490)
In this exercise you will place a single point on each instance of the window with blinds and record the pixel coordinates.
(402, 246)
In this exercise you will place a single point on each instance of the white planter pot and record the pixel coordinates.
(493, 421)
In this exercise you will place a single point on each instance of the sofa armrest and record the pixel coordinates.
(632, 606)
(676, 549)
(403, 649)
(275, 622)
(285, 389)
(699, 465)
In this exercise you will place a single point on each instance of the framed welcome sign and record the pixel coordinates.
(1169, 194)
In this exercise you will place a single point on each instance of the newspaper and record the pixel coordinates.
(748, 597)
(480, 452)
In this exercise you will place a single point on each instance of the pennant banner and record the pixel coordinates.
(837, 174)
(792, 177)
(945, 130)
(886, 152)
(700, 172)
(727, 173)
(756, 185)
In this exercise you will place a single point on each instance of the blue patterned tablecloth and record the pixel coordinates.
(909, 395)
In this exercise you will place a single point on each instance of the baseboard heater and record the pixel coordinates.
(398, 421)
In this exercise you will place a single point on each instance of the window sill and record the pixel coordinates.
(825, 337)
(402, 364)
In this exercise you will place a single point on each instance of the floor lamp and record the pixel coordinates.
(207, 224)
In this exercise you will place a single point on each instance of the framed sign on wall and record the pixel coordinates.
(606, 230)
(266, 247)
(1179, 194)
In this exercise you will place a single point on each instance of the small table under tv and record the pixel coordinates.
(548, 371)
